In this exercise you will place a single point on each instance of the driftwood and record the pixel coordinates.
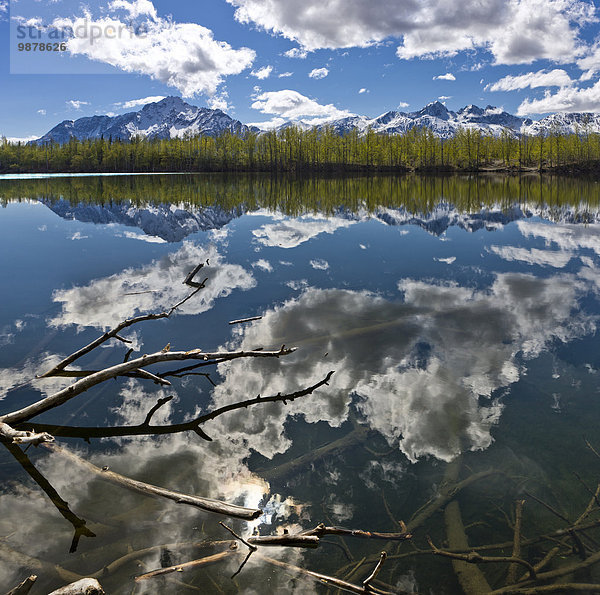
(147, 489)
(85, 586)
(24, 437)
(24, 587)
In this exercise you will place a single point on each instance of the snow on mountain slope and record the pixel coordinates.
(172, 117)
(169, 118)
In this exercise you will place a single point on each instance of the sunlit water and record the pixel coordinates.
(459, 316)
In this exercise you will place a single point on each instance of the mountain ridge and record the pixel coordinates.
(172, 117)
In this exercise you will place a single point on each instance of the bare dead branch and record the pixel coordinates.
(212, 559)
(445, 494)
(376, 570)
(321, 530)
(253, 548)
(286, 540)
(23, 436)
(147, 489)
(241, 320)
(146, 429)
(547, 506)
(594, 501)
(190, 276)
(477, 558)
(24, 587)
(154, 409)
(323, 578)
(64, 395)
(516, 553)
(113, 334)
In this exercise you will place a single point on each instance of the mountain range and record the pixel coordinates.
(172, 118)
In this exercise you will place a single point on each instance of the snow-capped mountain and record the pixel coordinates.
(169, 118)
(575, 123)
(437, 117)
(172, 117)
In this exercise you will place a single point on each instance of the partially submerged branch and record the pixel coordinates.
(476, 558)
(147, 489)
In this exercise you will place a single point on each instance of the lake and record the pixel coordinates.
(458, 314)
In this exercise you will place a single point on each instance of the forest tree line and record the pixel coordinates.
(294, 150)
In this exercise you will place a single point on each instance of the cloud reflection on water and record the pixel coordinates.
(425, 368)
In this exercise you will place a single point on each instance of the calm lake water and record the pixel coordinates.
(459, 316)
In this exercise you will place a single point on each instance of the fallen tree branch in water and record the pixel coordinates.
(20, 559)
(144, 428)
(241, 320)
(476, 558)
(355, 436)
(212, 559)
(23, 436)
(24, 587)
(516, 552)
(114, 334)
(446, 493)
(311, 537)
(64, 395)
(147, 489)
(330, 581)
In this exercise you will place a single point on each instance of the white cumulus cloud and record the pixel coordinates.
(262, 73)
(542, 78)
(137, 102)
(185, 56)
(76, 103)
(318, 73)
(514, 31)
(445, 77)
(566, 99)
(291, 105)
(296, 53)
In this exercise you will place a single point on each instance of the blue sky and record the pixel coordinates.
(278, 60)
